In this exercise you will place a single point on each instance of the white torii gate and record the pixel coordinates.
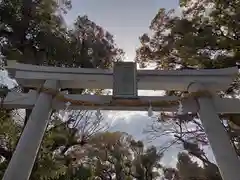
(125, 80)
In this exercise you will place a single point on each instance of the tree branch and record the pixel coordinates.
(5, 153)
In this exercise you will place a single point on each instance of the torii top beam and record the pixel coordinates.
(33, 76)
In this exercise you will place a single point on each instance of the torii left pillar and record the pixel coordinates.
(22, 161)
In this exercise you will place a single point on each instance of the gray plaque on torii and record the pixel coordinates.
(124, 80)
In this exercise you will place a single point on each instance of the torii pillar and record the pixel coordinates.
(22, 161)
(225, 155)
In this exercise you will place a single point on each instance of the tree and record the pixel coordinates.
(34, 32)
(195, 39)
(205, 35)
(9, 132)
(92, 46)
(65, 154)
(23, 22)
(33, 29)
(170, 174)
(117, 156)
(60, 141)
(188, 169)
(145, 163)
(200, 38)
(113, 153)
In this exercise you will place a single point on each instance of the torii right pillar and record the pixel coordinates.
(223, 150)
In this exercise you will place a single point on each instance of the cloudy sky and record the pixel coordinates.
(126, 20)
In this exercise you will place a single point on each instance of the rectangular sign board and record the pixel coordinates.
(124, 80)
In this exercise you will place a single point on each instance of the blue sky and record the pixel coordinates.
(125, 19)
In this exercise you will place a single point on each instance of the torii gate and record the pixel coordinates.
(125, 80)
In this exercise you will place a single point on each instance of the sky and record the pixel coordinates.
(125, 19)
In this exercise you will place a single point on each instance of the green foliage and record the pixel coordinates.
(106, 155)
(34, 32)
(188, 169)
(145, 162)
(205, 35)
(9, 130)
(193, 40)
